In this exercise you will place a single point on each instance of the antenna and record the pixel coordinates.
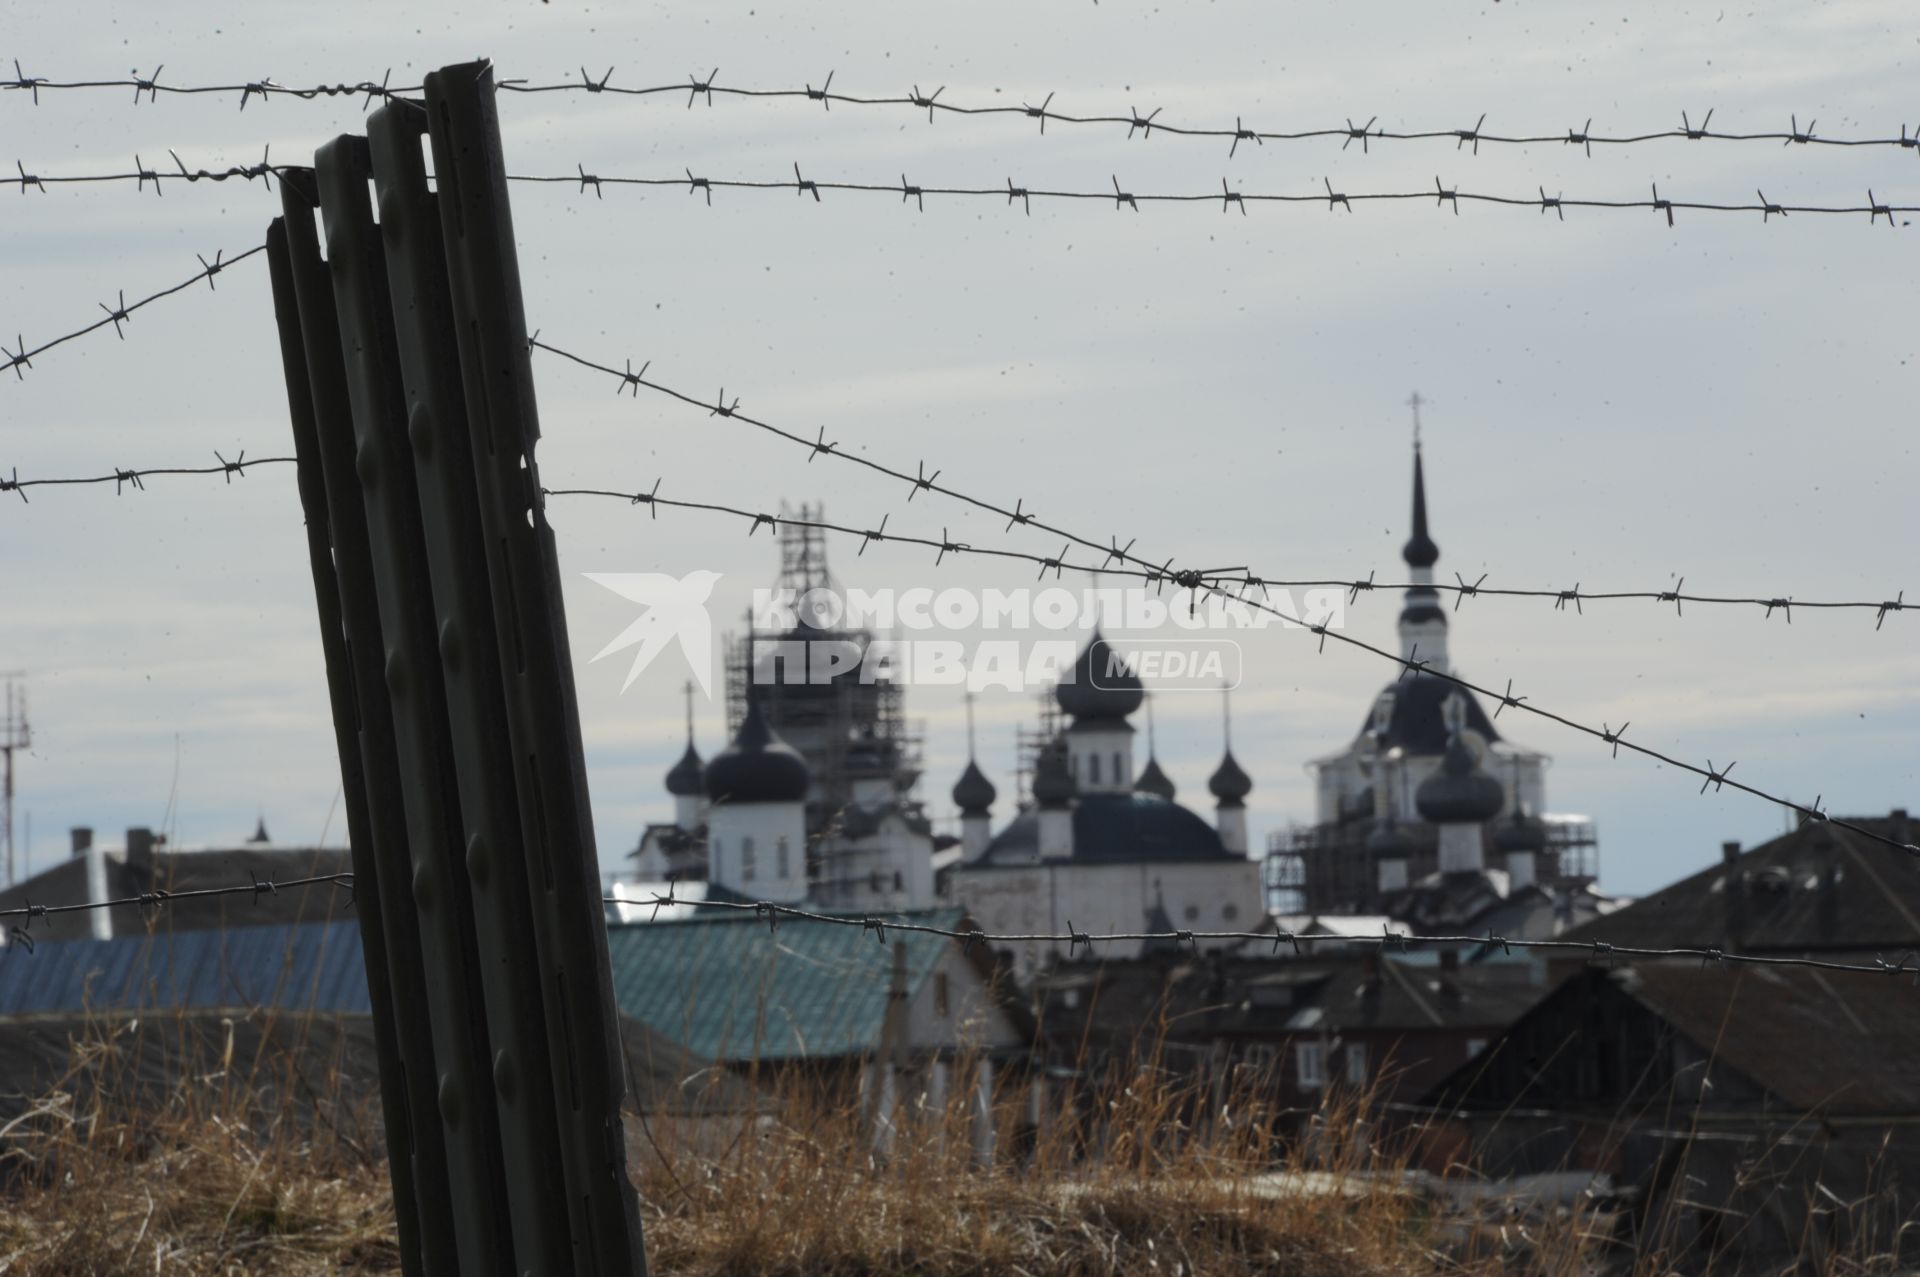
(15, 734)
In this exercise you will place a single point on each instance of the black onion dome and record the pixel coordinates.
(1093, 692)
(1229, 784)
(1154, 781)
(973, 792)
(1459, 793)
(688, 776)
(1520, 832)
(1420, 551)
(758, 767)
(1052, 781)
(1389, 841)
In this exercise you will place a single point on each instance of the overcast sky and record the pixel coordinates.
(1614, 403)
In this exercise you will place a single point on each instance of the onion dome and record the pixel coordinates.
(1154, 781)
(1459, 793)
(688, 776)
(1229, 785)
(1099, 687)
(1052, 781)
(1389, 841)
(1420, 551)
(758, 767)
(1520, 832)
(973, 793)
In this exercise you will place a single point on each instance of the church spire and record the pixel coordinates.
(1423, 622)
(1420, 551)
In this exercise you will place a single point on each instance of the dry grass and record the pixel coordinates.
(260, 1164)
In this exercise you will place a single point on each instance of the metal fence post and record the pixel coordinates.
(323, 437)
(543, 721)
(484, 1208)
(366, 880)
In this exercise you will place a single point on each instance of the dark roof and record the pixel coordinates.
(1272, 996)
(1154, 781)
(729, 988)
(66, 884)
(310, 979)
(1416, 721)
(1114, 829)
(1097, 688)
(1820, 887)
(1805, 1040)
(1384, 993)
(687, 777)
(1420, 551)
(1835, 1043)
(758, 767)
(315, 966)
(973, 791)
(1229, 783)
(1459, 792)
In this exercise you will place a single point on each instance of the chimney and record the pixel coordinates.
(140, 850)
(1735, 895)
(101, 919)
(82, 839)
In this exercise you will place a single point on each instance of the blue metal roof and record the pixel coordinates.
(728, 988)
(314, 966)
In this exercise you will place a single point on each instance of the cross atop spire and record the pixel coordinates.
(969, 700)
(1414, 401)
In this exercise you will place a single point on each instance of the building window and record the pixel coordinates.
(1258, 1056)
(1093, 769)
(1192, 912)
(1229, 912)
(747, 865)
(1310, 1065)
(1357, 1063)
(1119, 772)
(941, 994)
(899, 881)
(782, 859)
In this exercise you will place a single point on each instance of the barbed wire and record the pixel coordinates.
(1444, 197)
(1220, 578)
(1908, 963)
(1199, 582)
(696, 88)
(818, 445)
(18, 359)
(148, 901)
(124, 479)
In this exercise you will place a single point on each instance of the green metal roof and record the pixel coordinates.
(728, 988)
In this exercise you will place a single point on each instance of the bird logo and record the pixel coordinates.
(676, 607)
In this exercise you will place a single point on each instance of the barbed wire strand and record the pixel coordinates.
(1444, 197)
(1220, 578)
(935, 103)
(16, 360)
(147, 901)
(880, 924)
(1712, 777)
(1019, 515)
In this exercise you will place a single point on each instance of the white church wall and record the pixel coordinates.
(1214, 895)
